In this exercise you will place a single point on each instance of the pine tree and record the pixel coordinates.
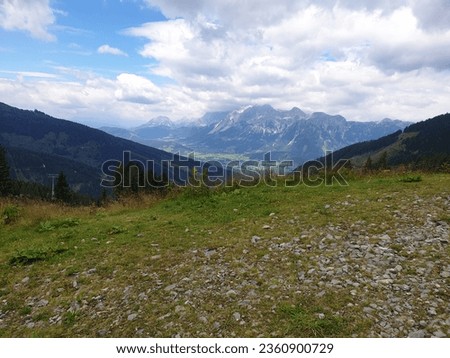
(5, 181)
(382, 162)
(134, 178)
(62, 189)
(368, 165)
(104, 197)
(119, 181)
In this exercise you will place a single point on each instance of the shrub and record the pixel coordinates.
(10, 214)
(30, 256)
(52, 225)
(411, 179)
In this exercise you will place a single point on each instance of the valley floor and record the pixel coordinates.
(370, 259)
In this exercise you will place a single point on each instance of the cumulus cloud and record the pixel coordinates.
(391, 39)
(359, 92)
(256, 13)
(433, 15)
(136, 89)
(230, 13)
(33, 17)
(106, 49)
(338, 56)
(365, 60)
(125, 100)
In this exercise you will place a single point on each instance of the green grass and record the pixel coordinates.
(411, 179)
(10, 214)
(306, 322)
(30, 256)
(106, 258)
(57, 224)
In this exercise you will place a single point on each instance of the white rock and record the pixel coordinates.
(439, 334)
(255, 239)
(237, 316)
(417, 334)
(132, 316)
(42, 303)
(170, 287)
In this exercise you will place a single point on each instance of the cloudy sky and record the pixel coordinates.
(123, 62)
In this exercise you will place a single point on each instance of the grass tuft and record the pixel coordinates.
(411, 179)
(306, 322)
(58, 224)
(30, 256)
(10, 214)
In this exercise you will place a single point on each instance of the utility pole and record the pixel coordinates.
(53, 177)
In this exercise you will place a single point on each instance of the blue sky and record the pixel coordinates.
(104, 62)
(79, 30)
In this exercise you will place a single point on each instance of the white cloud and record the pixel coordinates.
(32, 16)
(433, 15)
(21, 74)
(106, 49)
(336, 56)
(364, 60)
(126, 100)
(136, 89)
(392, 34)
(359, 92)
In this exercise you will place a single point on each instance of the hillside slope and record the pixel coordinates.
(424, 145)
(39, 145)
(368, 260)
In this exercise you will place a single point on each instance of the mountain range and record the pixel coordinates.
(252, 131)
(422, 145)
(38, 145)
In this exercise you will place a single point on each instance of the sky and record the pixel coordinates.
(123, 62)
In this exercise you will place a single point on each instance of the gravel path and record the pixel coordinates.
(399, 278)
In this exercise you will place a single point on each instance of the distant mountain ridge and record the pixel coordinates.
(422, 145)
(252, 131)
(38, 145)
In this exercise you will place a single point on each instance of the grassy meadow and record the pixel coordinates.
(218, 263)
